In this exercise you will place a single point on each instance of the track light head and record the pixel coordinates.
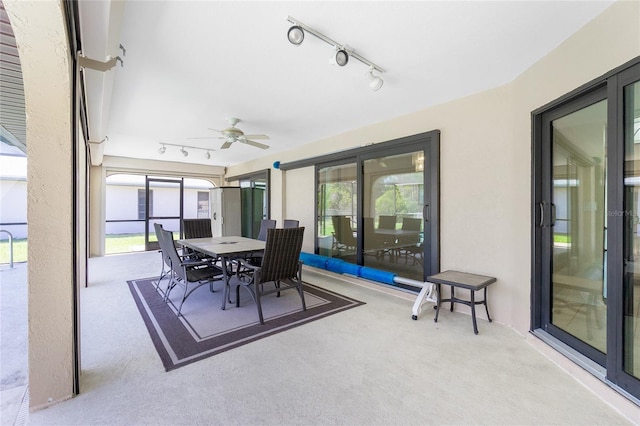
(375, 82)
(341, 57)
(295, 35)
(184, 152)
(162, 149)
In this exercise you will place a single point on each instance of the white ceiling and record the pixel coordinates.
(190, 64)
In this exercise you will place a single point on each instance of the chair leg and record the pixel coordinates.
(259, 305)
(184, 296)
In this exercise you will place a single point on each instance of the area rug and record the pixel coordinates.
(204, 329)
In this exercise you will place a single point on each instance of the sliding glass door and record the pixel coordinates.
(393, 207)
(379, 207)
(586, 230)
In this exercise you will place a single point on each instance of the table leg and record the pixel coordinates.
(473, 311)
(438, 304)
(452, 297)
(486, 307)
(225, 278)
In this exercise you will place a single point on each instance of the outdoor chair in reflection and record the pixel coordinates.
(186, 272)
(280, 266)
(410, 245)
(344, 240)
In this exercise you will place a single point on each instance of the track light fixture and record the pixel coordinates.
(183, 151)
(295, 35)
(342, 51)
(375, 82)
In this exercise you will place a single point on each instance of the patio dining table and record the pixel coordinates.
(227, 248)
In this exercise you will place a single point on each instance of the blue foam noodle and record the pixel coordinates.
(377, 275)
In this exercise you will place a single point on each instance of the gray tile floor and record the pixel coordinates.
(368, 365)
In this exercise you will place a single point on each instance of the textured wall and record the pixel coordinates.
(485, 159)
(42, 42)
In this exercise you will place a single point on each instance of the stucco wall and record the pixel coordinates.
(485, 159)
(40, 33)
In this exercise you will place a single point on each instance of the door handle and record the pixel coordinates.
(541, 204)
(553, 214)
(425, 212)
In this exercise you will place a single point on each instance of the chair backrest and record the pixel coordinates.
(386, 222)
(197, 228)
(160, 236)
(169, 250)
(264, 225)
(291, 223)
(281, 254)
(411, 224)
(343, 230)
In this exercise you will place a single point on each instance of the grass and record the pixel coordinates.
(19, 250)
(115, 243)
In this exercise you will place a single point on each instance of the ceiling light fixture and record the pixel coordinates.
(183, 151)
(295, 35)
(342, 51)
(341, 57)
(375, 82)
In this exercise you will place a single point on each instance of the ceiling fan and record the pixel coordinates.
(233, 134)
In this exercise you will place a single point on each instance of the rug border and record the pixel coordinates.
(172, 360)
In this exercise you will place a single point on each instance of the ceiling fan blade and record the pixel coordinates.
(226, 145)
(254, 143)
(215, 130)
(256, 137)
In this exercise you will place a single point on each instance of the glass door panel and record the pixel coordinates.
(337, 211)
(164, 205)
(393, 236)
(631, 284)
(578, 215)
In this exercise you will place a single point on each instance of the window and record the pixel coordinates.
(142, 201)
(203, 204)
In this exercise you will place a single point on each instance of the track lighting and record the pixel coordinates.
(375, 82)
(342, 52)
(183, 151)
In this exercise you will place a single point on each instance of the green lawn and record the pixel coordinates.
(124, 243)
(19, 250)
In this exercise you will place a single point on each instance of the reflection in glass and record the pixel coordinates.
(393, 223)
(337, 211)
(631, 290)
(579, 215)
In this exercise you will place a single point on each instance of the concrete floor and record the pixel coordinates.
(368, 365)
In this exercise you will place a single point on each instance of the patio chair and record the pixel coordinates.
(343, 234)
(188, 273)
(197, 228)
(386, 222)
(266, 224)
(280, 265)
(291, 223)
(166, 263)
(410, 244)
